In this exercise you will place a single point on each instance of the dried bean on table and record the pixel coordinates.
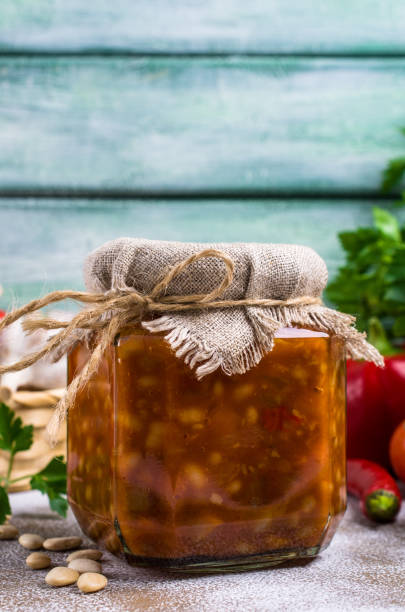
(62, 543)
(31, 541)
(91, 583)
(38, 560)
(87, 553)
(85, 565)
(8, 532)
(61, 576)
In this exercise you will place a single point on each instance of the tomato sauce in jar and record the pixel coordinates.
(221, 474)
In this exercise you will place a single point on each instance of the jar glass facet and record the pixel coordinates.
(226, 473)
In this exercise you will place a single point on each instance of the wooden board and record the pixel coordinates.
(200, 125)
(313, 26)
(44, 242)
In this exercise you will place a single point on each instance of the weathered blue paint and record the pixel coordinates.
(240, 125)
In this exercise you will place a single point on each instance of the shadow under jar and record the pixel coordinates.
(223, 474)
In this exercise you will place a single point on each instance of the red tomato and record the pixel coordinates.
(397, 451)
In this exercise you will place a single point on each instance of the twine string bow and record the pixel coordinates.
(108, 313)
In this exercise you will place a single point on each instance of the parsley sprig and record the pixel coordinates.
(51, 480)
(371, 283)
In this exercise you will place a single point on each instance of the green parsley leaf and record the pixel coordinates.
(371, 283)
(14, 437)
(5, 509)
(393, 173)
(354, 242)
(378, 337)
(398, 327)
(59, 505)
(386, 223)
(52, 482)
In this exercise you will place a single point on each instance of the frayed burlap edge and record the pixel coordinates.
(318, 318)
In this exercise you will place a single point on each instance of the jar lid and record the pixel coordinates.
(272, 286)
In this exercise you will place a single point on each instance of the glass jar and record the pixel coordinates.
(222, 474)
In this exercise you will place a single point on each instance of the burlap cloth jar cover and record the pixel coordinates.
(233, 339)
(219, 305)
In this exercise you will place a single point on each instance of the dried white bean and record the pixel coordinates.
(90, 583)
(32, 541)
(8, 532)
(38, 560)
(62, 543)
(84, 566)
(61, 576)
(88, 553)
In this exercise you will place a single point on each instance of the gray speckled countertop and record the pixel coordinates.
(363, 569)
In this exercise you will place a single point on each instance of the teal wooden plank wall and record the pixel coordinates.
(202, 124)
(263, 121)
(209, 26)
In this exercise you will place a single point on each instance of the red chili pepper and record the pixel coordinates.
(377, 490)
(375, 407)
(2, 313)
